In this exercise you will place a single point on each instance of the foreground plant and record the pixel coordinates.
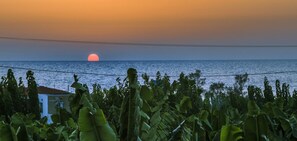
(154, 111)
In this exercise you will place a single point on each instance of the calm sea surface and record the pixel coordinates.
(172, 68)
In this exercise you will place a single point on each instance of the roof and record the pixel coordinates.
(47, 90)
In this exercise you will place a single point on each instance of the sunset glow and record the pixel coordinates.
(148, 20)
(242, 22)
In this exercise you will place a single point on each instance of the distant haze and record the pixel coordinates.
(162, 21)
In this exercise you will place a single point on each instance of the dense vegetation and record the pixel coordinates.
(155, 110)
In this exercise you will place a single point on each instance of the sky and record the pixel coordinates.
(147, 21)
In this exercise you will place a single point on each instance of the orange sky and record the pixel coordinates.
(150, 20)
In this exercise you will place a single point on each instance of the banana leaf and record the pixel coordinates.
(231, 133)
(94, 127)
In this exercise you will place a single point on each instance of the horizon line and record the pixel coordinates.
(148, 60)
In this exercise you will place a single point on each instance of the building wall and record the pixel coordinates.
(43, 100)
(48, 104)
(66, 102)
(53, 101)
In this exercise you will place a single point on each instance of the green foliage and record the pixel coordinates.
(156, 110)
(13, 96)
(33, 95)
(91, 120)
(7, 103)
(255, 94)
(61, 117)
(8, 133)
(130, 112)
(256, 125)
(236, 94)
(240, 81)
(294, 100)
(185, 104)
(94, 127)
(268, 94)
(256, 128)
(12, 88)
(278, 89)
(231, 133)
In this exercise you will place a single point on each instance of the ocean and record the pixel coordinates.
(60, 74)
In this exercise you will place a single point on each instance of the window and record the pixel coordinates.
(61, 104)
(41, 107)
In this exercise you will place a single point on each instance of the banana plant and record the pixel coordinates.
(8, 133)
(231, 133)
(130, 110)
(92, 123)
(256, 126)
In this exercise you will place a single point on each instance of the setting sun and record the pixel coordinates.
(93, 58)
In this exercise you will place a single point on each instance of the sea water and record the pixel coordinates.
(60, 74)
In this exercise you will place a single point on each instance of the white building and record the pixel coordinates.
(50, 98)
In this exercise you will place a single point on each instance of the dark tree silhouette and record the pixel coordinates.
(33, 95)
